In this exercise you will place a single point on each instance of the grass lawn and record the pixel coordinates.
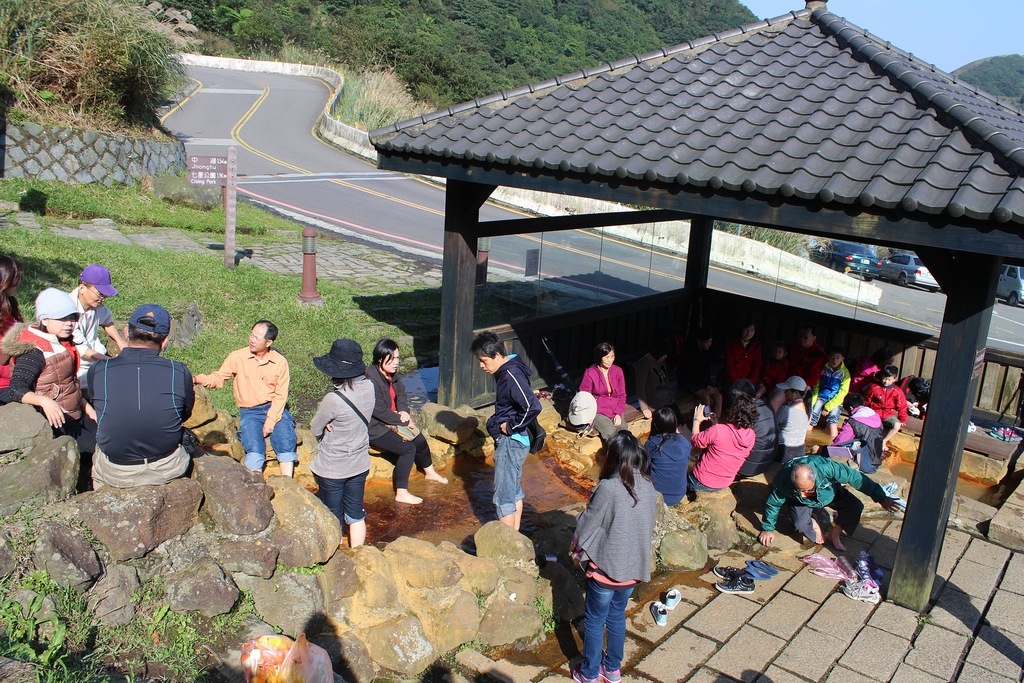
(230, 302)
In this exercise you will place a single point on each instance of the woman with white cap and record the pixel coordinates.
(341, 424)
(45, 369)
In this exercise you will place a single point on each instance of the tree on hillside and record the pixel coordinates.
(1002, 76)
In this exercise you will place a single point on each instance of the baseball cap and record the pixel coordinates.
(582, 409)
(796, 383)
(152, 318)
(54, 304)
(99, 277)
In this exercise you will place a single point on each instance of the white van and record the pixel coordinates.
(1011, 285)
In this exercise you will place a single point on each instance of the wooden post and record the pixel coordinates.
(969, 281)
(458, 278)
(229, 209)
(698, 265)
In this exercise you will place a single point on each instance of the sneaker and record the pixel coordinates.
(672, 599)
(866, 591)
(577, 675)
(742, 584)
(728, 572)
(659, 612)
(611, 676)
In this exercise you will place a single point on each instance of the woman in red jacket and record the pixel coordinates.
(10, 313)
(743, 356)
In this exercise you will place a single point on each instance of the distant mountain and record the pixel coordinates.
(1002, 76)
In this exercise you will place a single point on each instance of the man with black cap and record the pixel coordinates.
(94, 287)
(141, 400)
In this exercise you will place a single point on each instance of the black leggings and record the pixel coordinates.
(405, 454)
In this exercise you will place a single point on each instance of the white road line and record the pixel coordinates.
(229, 91)
(1004, 341)
(210, 142)
(1009, 320)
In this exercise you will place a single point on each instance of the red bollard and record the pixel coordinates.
(309, 294)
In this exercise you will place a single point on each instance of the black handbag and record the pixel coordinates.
(537, 436)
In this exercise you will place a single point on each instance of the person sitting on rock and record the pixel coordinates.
(670, 455)
(725, 444)
(390, 425)
(94, 287)
(766, 440)
(811, 483)
(45, 370)
(142, 400)
(607, 383)
(261, 379)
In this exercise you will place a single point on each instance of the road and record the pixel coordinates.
(270, 119)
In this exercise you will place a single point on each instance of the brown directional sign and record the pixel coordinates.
(207, 170)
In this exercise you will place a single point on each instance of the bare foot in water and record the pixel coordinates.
(430, 474)
(403, 496)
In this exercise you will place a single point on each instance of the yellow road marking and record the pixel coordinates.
(179, 105)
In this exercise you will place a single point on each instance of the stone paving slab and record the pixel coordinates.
(957, 611)
(937, 651)
(1006, 613)
(841, 617)
(1013, 579)
(175, 240)
(641, 624)
(781, 560)
(677, 657)
(987, 553)
(972, 673)
(784, 615)
(894, 619)
(96, 233)
(807, 585)
(975, 578)
(841, 674)
(883, 549)
(709, 676)
(908, 674)
(722, 617)
(746, 654)
(875, 654)
(776, 675)
(998, 652)
(811, 654)
(766, 590)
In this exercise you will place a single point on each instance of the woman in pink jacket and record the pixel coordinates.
(726, 445)
(606, 382)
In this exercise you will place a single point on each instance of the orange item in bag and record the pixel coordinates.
(277, 659)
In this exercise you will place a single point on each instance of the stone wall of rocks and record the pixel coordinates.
(84, 156)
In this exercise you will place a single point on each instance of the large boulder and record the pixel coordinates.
(507, 622)
(307, 533)
(8, 560)
(449, 616)
(502, 543)
(203, 410)
(64, 552)
(131, 522)
(349, 656)
(421, 563)
(47, 473)
(110, 600)
(683, 546)
(235, 498)
(255, 557)
(338, 580)
(202, 587)
(399, 645)
(479, 574)
(377, 587)
(24, 427)
(452, 426)
(290, 601)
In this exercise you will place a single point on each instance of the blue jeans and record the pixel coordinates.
(833, 415)
(250, 433)
(509, 456)
(693, 485)
(605, 608)
(343, 497)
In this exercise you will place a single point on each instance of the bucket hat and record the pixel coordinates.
(344, 361)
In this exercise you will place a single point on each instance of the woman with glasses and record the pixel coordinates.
(391, 427)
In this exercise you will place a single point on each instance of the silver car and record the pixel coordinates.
(907, 269)
(1011, 285)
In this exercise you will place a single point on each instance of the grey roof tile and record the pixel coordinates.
(802, 107)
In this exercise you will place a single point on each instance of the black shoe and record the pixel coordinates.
(728, 572)
(740, 584)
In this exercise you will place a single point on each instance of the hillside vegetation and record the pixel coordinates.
(450, 51)
(1002, 76)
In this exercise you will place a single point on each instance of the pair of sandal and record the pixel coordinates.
(827, 567)
(661, 609)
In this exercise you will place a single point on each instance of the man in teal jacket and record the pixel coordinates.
(815, 482)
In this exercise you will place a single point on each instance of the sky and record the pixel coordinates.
(946, 33)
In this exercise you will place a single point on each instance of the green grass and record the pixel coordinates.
(230, 302)
(136, 206)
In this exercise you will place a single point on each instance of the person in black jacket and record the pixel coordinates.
(766, 439)
(515, 407)
(391, 419)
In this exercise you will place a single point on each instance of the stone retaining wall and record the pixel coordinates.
(84, 156)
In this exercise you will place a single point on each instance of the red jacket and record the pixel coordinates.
(775, 372)
(886, 401)
(807, 363)
(743, 363)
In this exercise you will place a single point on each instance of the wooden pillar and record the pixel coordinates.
(458, 278)
(698, 265)
(969, 281)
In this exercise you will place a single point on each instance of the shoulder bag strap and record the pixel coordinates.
(351, 405)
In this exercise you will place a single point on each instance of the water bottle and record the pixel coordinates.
(863, 566)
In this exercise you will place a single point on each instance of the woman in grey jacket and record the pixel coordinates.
(341, 425)
(614, 534)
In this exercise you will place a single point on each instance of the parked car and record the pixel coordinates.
(850, 257)
(907, 269)
(1011, 285)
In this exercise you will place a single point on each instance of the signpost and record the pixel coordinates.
(222, 171)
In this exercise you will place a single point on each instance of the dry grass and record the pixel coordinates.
(377, 98)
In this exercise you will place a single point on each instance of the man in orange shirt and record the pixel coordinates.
(261, 390)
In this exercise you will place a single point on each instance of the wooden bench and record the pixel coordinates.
(977, 442)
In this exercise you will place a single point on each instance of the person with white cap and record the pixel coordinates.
(791, 420)
(94, 287)
(45, 372)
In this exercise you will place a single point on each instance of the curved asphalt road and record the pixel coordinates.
(269, 119)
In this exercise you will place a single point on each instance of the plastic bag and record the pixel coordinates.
(278, 659)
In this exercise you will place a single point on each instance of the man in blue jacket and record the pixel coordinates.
(515, 407)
